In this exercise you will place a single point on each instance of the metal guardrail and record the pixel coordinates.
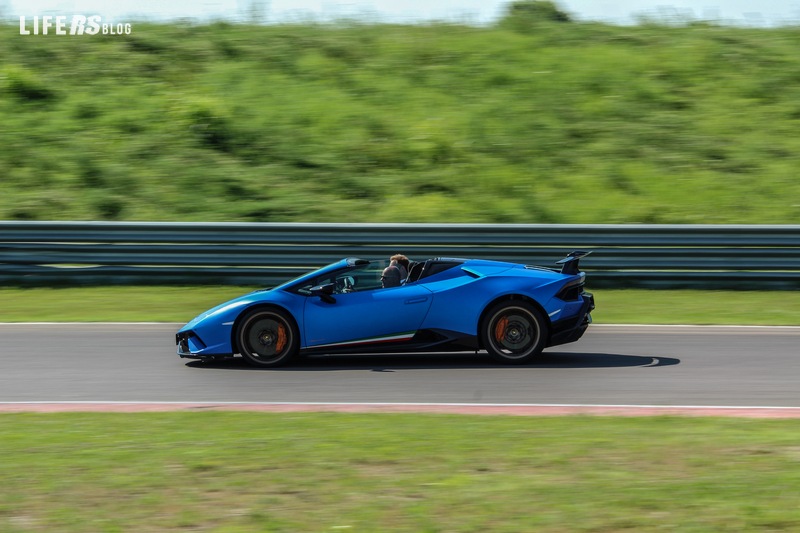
(651, 256)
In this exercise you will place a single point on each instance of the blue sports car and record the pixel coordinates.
(513, 311)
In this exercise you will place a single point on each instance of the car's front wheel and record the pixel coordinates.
(267, 337)
(513, 332)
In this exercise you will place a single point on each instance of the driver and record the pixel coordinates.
(395, 274)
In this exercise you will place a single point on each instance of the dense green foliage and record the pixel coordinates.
(244, 472)
(536, 119)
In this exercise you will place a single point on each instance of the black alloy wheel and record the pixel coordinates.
(513, 332)
(267, 337)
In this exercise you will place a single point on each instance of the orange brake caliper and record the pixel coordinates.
(281, 344)
(500, 329)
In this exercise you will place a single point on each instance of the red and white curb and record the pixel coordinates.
(435, 408)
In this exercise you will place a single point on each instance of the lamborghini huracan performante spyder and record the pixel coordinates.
(512, 311)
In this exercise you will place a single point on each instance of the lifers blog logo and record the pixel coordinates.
(78, 25)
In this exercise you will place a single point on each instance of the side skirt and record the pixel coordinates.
(422, 340)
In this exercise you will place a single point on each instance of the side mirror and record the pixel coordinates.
(324, 292)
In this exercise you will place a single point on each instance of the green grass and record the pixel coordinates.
(240, 472)
(111, 304)
(776, 308)
(180, 304)
(526, 121)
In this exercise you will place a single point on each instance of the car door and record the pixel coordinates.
(365, 317)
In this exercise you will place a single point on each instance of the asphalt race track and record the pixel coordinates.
(611, 366)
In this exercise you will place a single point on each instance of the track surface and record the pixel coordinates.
(610, 366)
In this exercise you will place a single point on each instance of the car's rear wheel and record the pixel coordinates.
(267, 337)
(513, 332)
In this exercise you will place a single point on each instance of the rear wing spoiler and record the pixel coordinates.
(569, 265)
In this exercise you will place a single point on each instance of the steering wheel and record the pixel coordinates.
(345, 284)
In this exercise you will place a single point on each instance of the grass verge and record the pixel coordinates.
(529, 120)
(180, 304)
(238, 472)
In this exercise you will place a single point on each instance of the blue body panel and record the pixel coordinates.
(369, 314)
(451, 301)
(214, 328)
(459, 301)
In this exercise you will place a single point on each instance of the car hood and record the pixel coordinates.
(225, 308)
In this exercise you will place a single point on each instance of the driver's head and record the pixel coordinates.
(390, 277)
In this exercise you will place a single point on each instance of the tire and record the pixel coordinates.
(267, 337)
(513, 332)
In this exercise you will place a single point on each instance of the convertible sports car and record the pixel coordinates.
(512, 311)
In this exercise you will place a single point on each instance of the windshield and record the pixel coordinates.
(361, 277)
(309, 275)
